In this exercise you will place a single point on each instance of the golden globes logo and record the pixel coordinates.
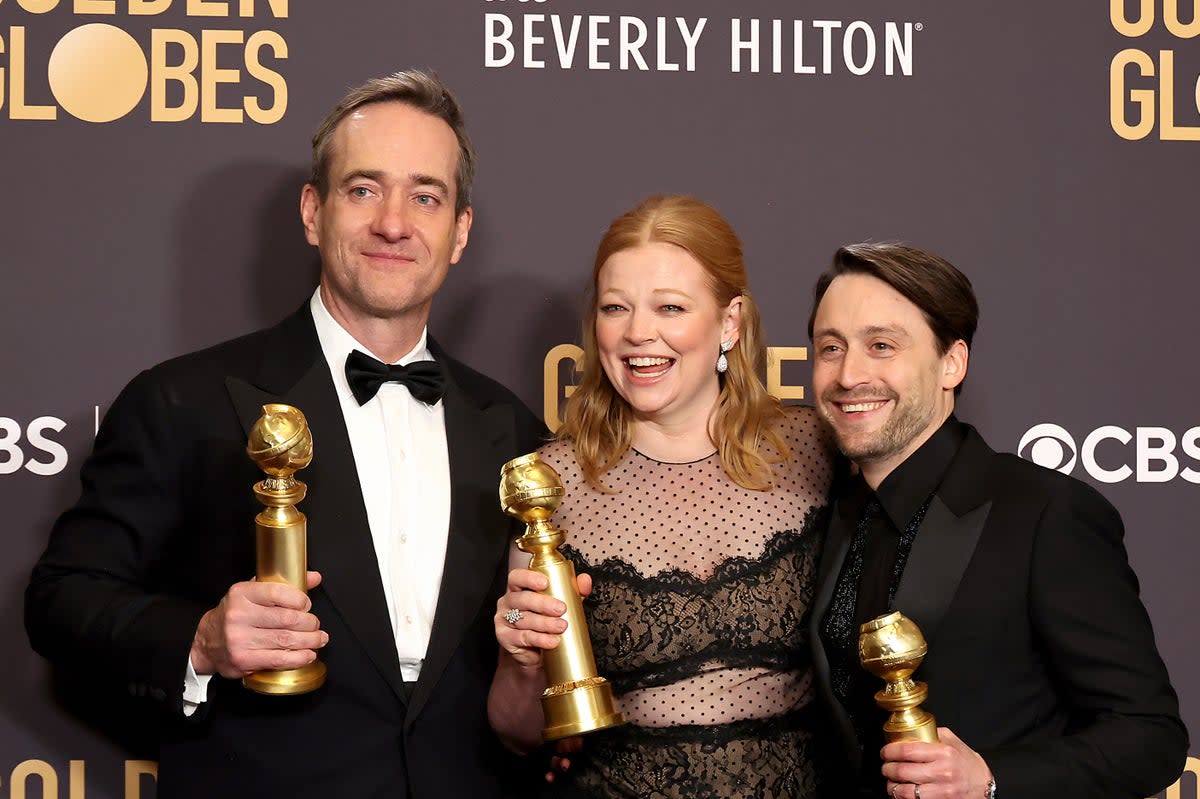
(1143, 86)
(100, 72)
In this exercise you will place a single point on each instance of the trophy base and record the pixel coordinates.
(287, 681)
(577, 707)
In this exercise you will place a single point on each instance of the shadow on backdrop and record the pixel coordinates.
(498, 319)
(243, 263)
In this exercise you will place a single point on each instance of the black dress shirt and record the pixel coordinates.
(889, 519)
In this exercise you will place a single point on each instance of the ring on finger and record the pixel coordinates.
(917, 792)
(895, 785)
(512, 616)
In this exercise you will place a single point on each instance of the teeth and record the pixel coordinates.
(862, 406)
(649, 361)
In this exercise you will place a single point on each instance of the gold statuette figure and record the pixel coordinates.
(281, 444)
(891, 647)
(577, 699)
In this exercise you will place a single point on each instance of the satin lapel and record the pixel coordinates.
(947, 538)
(837, 544)
(478, 441)
(339, 538)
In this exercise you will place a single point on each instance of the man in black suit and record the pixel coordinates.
(146, 578)
(1042, 668)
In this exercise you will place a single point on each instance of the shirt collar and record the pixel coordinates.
(337, 343)
(912, 482)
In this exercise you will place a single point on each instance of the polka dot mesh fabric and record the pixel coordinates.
(698, 617)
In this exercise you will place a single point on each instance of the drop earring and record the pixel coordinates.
(722, 361)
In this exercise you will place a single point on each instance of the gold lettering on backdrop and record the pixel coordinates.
(279, 8)
(76, 782)
(33, 768)
(1192, 767)
(776, 357)
(134, 771)
(1167, 129)
(1153, 95)
(18, 109)
(47, 784)
(181, 73)
(1171, 19)
(256, 42)
(207, 8)
(555, 391)
(211, 76)
(95, 6)
(38, 6)
(1121, 23)
(147, 8)
(1141, 99)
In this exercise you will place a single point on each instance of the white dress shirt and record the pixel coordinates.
(399, 446)
(400, 454)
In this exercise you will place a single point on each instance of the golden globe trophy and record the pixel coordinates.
(577, 699)
(891, 647)
(281, 444)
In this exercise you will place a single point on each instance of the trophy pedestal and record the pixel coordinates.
(578, 707)
(287, 681)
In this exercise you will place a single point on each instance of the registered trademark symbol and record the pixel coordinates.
(919, 26)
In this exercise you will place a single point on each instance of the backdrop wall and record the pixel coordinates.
(152, 152)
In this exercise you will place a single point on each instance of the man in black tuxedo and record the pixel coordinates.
(1042, 667)
(146, 578)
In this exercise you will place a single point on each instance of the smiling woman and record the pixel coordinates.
(693, 501)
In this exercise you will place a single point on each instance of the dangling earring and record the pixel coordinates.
(722, 362)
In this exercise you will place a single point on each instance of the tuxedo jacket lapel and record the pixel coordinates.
(947, 538)
(477, 440)
(837, 545)
(339, 537)
(940, 554)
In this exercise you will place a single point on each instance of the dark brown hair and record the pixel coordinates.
(423, 91)
(933, 284)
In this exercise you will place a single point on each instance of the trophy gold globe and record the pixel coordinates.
(281, 444)
(891, 647)
(577, 699)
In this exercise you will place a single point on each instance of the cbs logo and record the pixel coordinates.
(38, 453)
(1111, 454)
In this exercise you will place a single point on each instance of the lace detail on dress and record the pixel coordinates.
(698, 617)
(768, 759)
(652, 631)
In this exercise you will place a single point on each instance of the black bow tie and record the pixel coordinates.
(423, 379)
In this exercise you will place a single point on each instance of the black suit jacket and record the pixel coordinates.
(1041, 655)
(165, 525)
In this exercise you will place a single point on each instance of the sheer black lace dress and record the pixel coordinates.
(698, 618)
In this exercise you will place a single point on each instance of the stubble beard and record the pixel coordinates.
(907, 421)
